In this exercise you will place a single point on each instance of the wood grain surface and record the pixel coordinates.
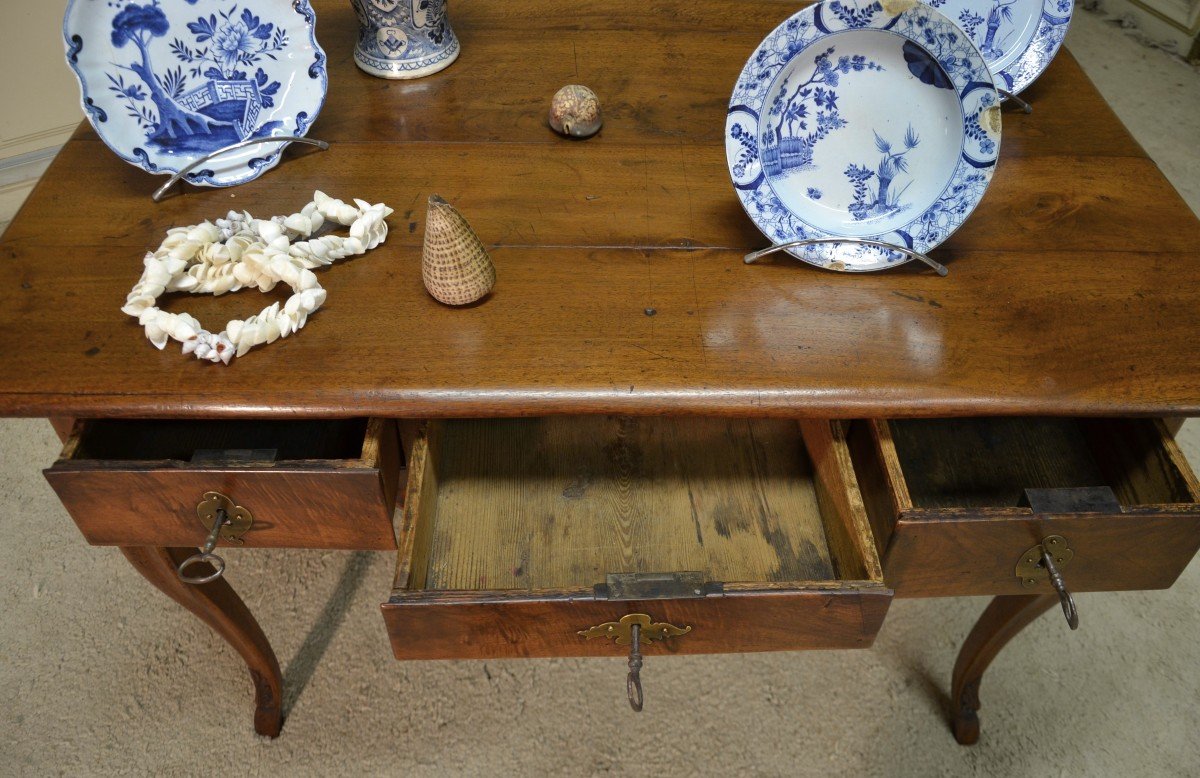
(962, 532)
(989, 463)
(297, 502)
(1074, 289)
(851, 545)
(510, 524)
(478, 625)
(561, 502)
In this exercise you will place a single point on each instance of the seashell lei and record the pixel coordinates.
(240, 252)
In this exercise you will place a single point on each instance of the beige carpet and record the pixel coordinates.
(102, 675)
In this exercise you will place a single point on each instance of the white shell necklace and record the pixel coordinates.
(240, 252)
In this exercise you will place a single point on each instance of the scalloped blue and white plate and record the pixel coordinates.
(852, 121)
(1018, 38)
(165, 83)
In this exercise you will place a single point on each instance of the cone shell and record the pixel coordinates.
(455, 266)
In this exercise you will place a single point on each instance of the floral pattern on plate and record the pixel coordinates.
(165, 83)
(850, 121)
(1018, 38)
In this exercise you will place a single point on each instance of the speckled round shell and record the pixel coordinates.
(455, 266)
(575, 111)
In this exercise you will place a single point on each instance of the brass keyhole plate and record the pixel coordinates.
(622, 631)
(240, 519)
(1031, 570)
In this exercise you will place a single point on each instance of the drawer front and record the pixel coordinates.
(973, 556)
(753, 535)
(334, 504)
(438, 627)
(945, 502)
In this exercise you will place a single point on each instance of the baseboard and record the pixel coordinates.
(33, 142)
(25, 167)
(18, 175)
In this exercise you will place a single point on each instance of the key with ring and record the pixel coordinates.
(206, 554)
(633, 681)
(1046, 560)
(630, 631)
(225, 520)
(1056, 580)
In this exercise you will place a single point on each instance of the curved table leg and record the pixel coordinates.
(1003, 619)
(218, 606)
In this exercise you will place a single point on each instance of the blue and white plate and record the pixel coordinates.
(166, 82)
(1018, 38)
(850, 120)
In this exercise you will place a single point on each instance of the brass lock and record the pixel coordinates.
(1031, 569)
(239, 519)
(630, 631)
(1046, 561)
(622, 631)
(223, 519)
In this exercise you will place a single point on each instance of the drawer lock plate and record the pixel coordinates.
(655, 586)
(630, 631)
(1045, 561)
(622, 631)
(222, 519)
(1032, 570)
(238, 519)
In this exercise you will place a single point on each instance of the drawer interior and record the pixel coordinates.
(559, 503)
(155, 440)
(989, 462)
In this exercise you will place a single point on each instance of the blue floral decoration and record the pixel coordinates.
(184, 84)
(804, 114)
(994, 27)
(766, 113)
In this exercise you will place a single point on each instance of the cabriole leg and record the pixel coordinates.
(218, 606)
(1003, 619)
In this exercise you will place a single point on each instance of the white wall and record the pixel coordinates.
(38, 93)
(39, 98)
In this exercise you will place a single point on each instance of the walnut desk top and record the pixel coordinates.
(1074, 289)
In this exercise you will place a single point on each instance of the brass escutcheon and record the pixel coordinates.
(239, 518)
(1031, 570)
(622, 631)
(630, 631)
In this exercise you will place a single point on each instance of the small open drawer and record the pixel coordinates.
(307, 484)
(518, 535)
(948, 504)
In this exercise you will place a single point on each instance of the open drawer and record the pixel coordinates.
(519, 535)
(949, 508)
(307, 484)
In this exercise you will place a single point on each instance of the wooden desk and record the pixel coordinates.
(1074, 290)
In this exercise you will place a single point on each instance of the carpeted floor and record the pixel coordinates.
(101, 674)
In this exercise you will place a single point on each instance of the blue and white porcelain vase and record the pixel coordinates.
(403, 38)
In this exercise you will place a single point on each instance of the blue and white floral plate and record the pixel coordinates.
(166, 82)
(1018, 38)
(852, 121)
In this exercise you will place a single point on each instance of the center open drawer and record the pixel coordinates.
(518, 535)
